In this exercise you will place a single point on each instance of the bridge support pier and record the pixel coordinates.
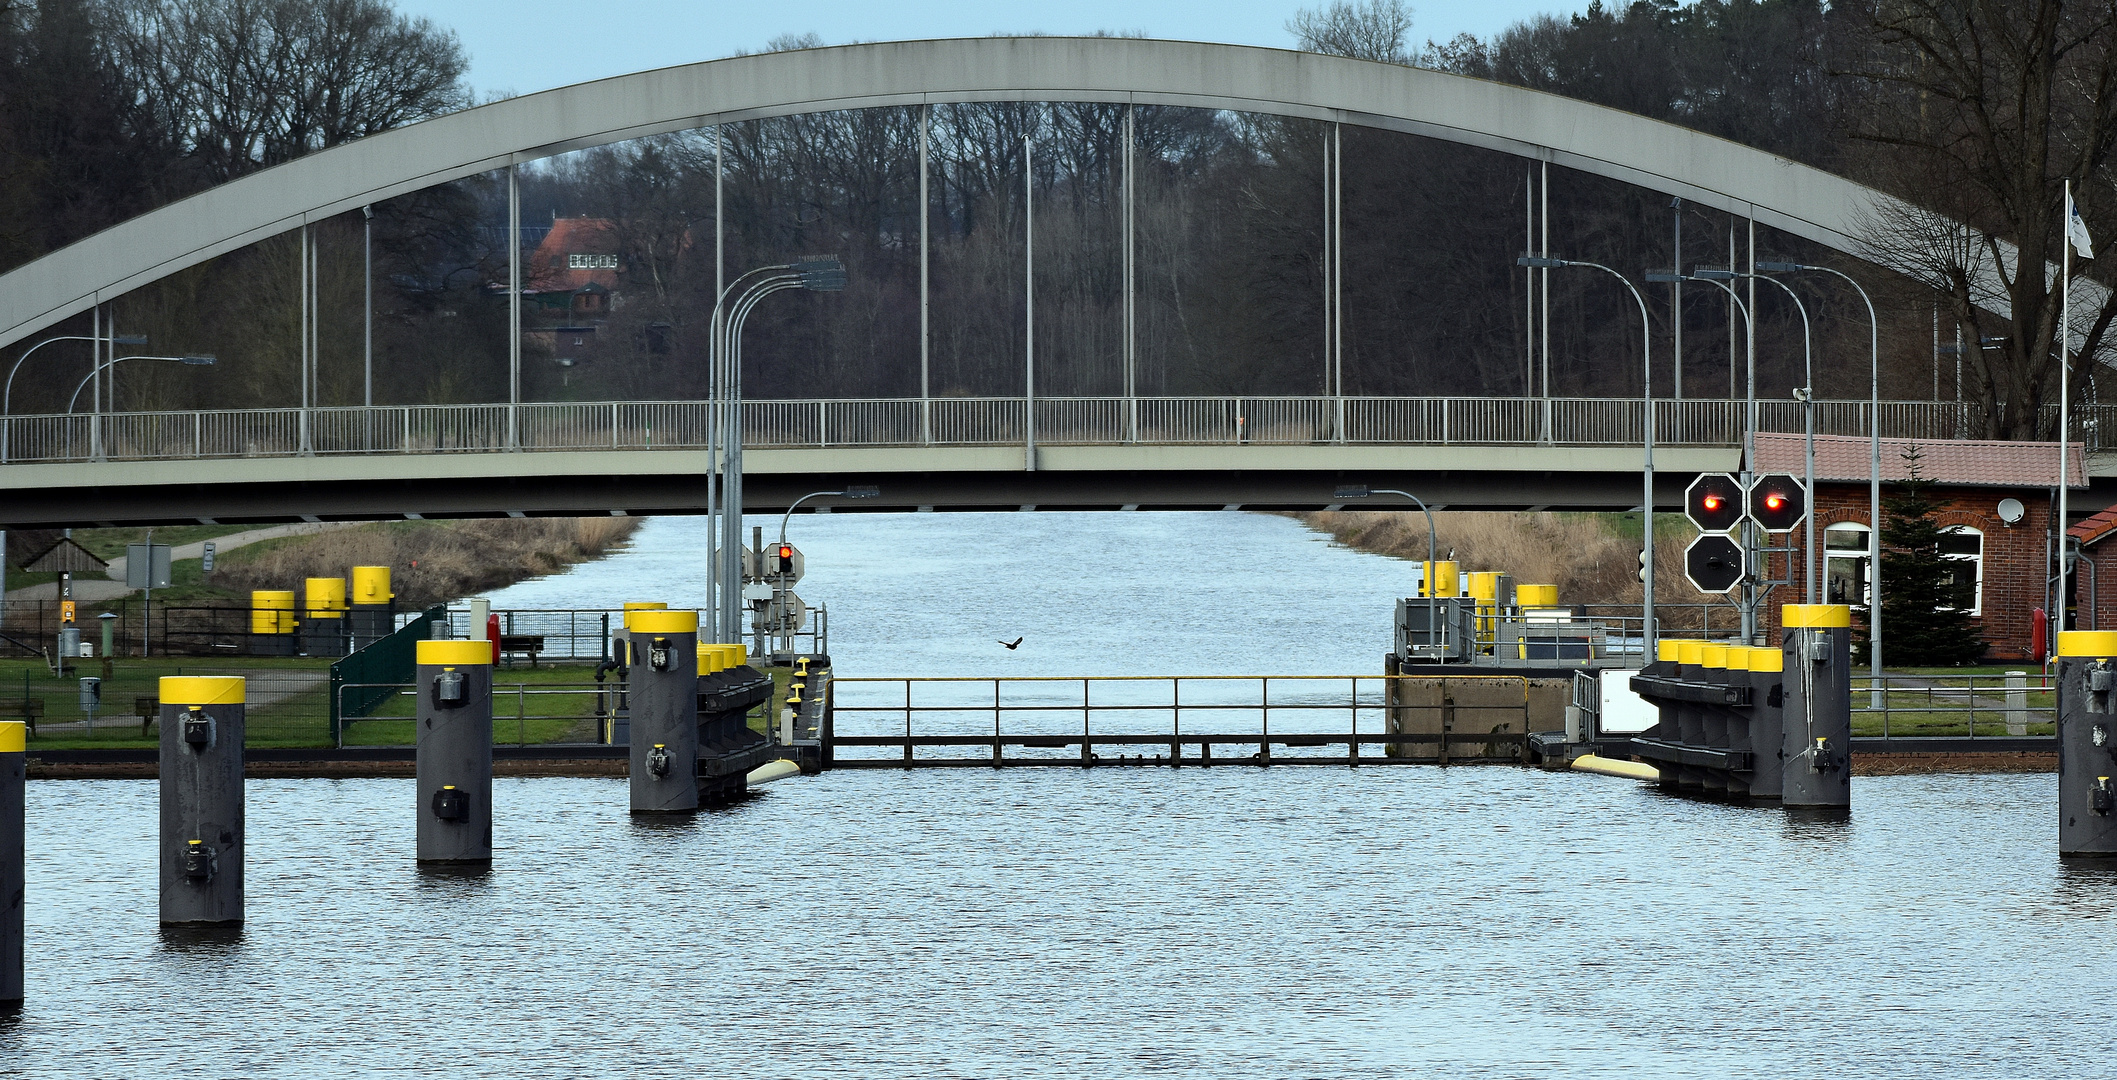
(202, 841)
(454, 755)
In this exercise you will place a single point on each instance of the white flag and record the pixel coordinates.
(2077, 230)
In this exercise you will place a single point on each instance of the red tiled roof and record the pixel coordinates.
(2095, 527)
(547, 268)
(1956, 462)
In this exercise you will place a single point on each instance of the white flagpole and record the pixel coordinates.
(2065, 372)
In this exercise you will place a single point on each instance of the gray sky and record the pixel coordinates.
(527, 45)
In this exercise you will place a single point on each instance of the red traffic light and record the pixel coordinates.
(786, 552)
(1778, 503)
(1713, 502)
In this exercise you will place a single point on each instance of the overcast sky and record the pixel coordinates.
(527, 45)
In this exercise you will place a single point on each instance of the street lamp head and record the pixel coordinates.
(1352, 491)
(1781, 267)
(202, 360)
(862, 491)
(1713, 273)
(1540, 262)
(821, 273)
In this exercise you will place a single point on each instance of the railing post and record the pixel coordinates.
(2017, 704)
(823, 424)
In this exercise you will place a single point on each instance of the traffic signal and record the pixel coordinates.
(1713, 563)
(1713, 502)
(1778, 502)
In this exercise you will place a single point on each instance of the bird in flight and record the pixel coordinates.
(1012, 644)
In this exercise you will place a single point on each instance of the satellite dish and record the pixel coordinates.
(2010, 510)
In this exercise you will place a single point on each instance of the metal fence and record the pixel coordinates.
(1955, 706)
(1273, 420)
(914, 722)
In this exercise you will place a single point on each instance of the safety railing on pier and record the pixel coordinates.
(1179, 720)
(524, 713)
(819, 423)
(2016, 706)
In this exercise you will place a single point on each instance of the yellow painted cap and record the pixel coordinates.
(371, 585)
(1763, 659)
(1665, 650)
(455, 652)
(1816, 616)
(1536, 595)
(648, 621)
(1712, 656)
(2096, 643)
(1443, 579)
(14, 736)
(189, 690)
(1690, 653)
(1738, 658)
(272, 599)
(708, 658)
(645, 605)
(325, 591)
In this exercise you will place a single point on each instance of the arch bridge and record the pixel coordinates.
(528, 458)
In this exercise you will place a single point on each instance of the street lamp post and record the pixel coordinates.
(1750, 596)
(95, 422)
(7, 393)
(1646, 393)
(724, 575)
(1874, 463)
(1362, 491)
(855, 491)
(1806, 395)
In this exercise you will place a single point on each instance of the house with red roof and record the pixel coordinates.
(1997, 507)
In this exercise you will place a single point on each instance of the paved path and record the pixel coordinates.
(95, 590)
(268, 686)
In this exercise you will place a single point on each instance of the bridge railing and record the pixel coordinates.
(828, 422)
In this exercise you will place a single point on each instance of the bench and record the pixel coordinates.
(26, 710)
(526, 644)
(147, 709)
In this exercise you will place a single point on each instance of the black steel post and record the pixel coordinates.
(664, 696)
(2087, 742)
(1767, 724)
(454, 755)
(201, 854)
(14, 740)
(1816, 650)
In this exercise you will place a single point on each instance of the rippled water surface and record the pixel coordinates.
(1053, 922)
(1402, 921)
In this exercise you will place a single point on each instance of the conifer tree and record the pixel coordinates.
(1926, 597)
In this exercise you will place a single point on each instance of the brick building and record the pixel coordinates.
(2096, 602)
(1996, 503)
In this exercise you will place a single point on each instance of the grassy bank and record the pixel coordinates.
(430, 562)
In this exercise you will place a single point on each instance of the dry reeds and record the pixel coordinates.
(1582, 554)
(431, 562)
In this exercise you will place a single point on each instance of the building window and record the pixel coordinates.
(1966, 545)
(1846, 565)
(591, 262)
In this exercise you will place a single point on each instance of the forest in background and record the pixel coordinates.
(116, 106)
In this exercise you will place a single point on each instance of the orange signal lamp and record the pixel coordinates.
(1712, 502)
(786, 551)
(1774, 501)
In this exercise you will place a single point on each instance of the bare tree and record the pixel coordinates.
(1361, 29)
(1980, 110)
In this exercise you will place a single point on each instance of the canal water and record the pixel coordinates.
(1230, 922)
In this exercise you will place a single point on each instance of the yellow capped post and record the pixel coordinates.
(661, 621)
(1690, 653)
(1665, 651)
(2095, 644)
(645, 605)
(193, 690)
(1763, 659)
(1816, 616)
(14, 736)
(454, 652)
(1712, 656)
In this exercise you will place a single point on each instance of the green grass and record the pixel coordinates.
(549, 703)
(299, 719)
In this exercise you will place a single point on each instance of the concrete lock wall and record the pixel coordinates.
(201, 847)
(454, 755)
(1470, 705)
